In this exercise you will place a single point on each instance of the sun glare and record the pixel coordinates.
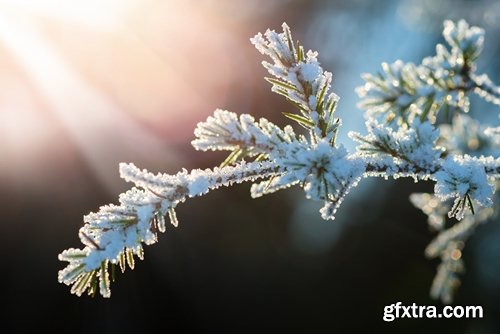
(108, 77)
(101, 14)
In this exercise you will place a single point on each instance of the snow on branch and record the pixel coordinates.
(403, 92)
(116, 233)
(241, 135)
(465, 179)
(411, 149)
(299, 77)
(462, 158)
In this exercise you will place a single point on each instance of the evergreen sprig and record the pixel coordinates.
(402, 92)
(405, 142)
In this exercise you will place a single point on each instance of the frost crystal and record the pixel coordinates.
(402, 92)
(402, 140)
(405, 152)
(326, 172)
(463, 178)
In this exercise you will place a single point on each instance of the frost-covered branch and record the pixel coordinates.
(403, 92)
(462, 158)
(408, 95)
(116, 233)
(225, 131)
(299, 77)
(413, 149)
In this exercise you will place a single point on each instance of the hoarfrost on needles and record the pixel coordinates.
(403, 140)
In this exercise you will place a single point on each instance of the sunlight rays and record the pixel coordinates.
(89, 117)
(124, 80)
(98, 14)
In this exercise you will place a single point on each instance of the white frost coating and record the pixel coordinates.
(411, 149)
(461, 176)
(486, 89)
(225, 131)
(198, 186)
(286, 65)
(145, 212)
(403, 92)
(270, 186)
(197, 182)
(328, 210)
(144, 216)
(419, 144)
(116, 233)
(299, 77)
(309, 71)
(94, 259)
(462, 36)
(327, 172)
(403, 143)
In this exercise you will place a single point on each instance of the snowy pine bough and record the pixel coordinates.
(416, 127)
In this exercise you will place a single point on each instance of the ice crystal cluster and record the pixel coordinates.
(406, 137)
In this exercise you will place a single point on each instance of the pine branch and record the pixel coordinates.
(116, 233)
(461, 158)
(403, 92)
(299, 77)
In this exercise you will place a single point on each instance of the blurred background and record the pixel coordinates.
(85, 85)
